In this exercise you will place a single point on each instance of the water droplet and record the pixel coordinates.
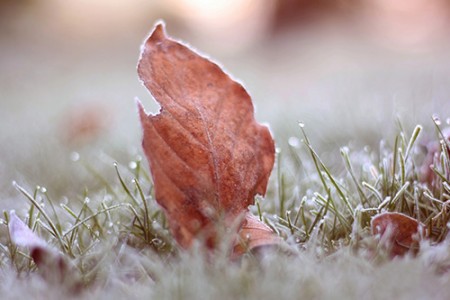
(132, 165)
(74, 156)
(345, 149)
(43, 190)
(301, 124)
(436, 119)
(110, 224)
(294, 142)
(157, 242)
(277, 150)
(447, 121)
(65, 200)
(87, 200)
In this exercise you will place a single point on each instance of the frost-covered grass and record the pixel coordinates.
(116, 236)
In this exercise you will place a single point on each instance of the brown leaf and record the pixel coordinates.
(82, 124)
(254, 234)
(432, 158)
(53, 266)
(398, 233)
(208, 156)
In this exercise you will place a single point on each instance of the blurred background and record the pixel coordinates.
(347, 69)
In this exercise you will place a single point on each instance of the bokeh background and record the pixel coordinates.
(349, 70)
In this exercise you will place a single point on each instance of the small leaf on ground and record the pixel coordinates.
(53, 266)
(398, 233)
(208, 156)
(254, 234)
(433, 156)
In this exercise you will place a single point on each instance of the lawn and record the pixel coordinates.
(354, 126)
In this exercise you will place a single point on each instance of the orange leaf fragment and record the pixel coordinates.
(254, 234)
(207, 154)
(399, 233)
(54, 267)
(433, 156)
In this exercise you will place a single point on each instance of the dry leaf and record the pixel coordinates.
(398, 233)
(254, 234)
(85, 123)
(208, 156)
(52, 265)
(433, 153)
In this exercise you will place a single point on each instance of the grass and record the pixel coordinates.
(116, 238)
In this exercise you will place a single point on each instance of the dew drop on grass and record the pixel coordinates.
(43, 190)
(65, 200)
(436, 119)
(447, 121)
(132, 165)
(74, 156)
(87, 200)
(301, 124)
(157, 242)
(294, 142)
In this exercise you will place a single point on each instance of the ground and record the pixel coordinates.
(354, 98)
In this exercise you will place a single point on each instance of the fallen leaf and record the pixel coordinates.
(207, 154)
(254, 234)
(433, 152)
(398, 233)
(21, 235)
(82, 124)
(53, 266)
